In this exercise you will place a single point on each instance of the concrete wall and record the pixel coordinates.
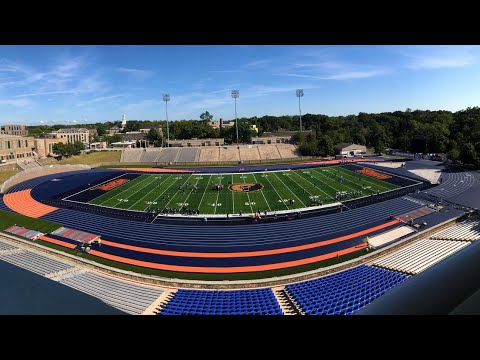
(39, 171)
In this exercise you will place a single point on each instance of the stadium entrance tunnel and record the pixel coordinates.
(245, 187)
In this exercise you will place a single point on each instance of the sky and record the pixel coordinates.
(84, 84)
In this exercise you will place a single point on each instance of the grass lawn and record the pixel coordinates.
(8, 219)
(87, 159)
(5, 174)
(274, 191)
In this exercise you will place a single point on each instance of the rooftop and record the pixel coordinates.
(3, 136)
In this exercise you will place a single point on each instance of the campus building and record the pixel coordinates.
(19, 130)
(13, 148)
(349, 149)
(71, 134)
(196, 142)
(44, 147)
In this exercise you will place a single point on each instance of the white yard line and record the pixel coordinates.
(94, 186)
(366, 179)
(218, 193)
(169, 201)
(261, 190)
(164, 191)
(153, 189)
(204, 191)
(347, 179)
(190, 193)
(273, 187)
(315, 186)
(290, 190)
(233, 199)
(128, 197)
(243, 176)
(323, 175)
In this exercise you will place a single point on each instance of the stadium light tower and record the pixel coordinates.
(236, 95)
(299, 95)
(166, 98)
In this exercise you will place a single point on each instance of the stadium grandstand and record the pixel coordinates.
(205, 240)
(211, 154)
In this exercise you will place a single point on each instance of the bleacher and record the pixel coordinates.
(188, 155)
(150, 155)
(34, 262)
(229, 153)
(132, 155)
(6, 247)
(209, 154)
(466, 230)
(345, 292)
(249, 153)
(287, 151)
(129, 297)
(169, 155)
(420, 255)
(269, 152)
(223, 302)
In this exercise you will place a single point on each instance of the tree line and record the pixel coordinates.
(454, 133)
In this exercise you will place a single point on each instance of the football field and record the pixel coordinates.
(240, 192)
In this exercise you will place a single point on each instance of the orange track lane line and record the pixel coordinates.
(23, 203)
(250, 253)
(222, 270)
(154, 170)
(58, 242)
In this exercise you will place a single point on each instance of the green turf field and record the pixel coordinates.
(306, 187)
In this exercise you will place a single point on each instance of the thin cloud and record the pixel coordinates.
(331, 70)
(44, 93)
(136, 73)
(16, 102)
(99, 99)
(346, 75)
(258, 63)
(224, 71)
(436, 57)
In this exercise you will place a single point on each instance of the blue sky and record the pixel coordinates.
(75, 84)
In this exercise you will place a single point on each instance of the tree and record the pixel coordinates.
(112, 139)
(101, 129)
(60, 149)
(309, 149)
(132, 126)
(326, 146)
(379, 147)
(68, 150)
(454, 154)
(468, 154)
(154, 136)
(206, 116)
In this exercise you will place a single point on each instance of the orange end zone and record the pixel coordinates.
(112, 184)
(23, 203)
(154, 170)
(224, 270)
(374, 174)
(251, 253)
(57, 242)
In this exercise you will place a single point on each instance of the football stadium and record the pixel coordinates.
(307, 237)
(250, 180)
